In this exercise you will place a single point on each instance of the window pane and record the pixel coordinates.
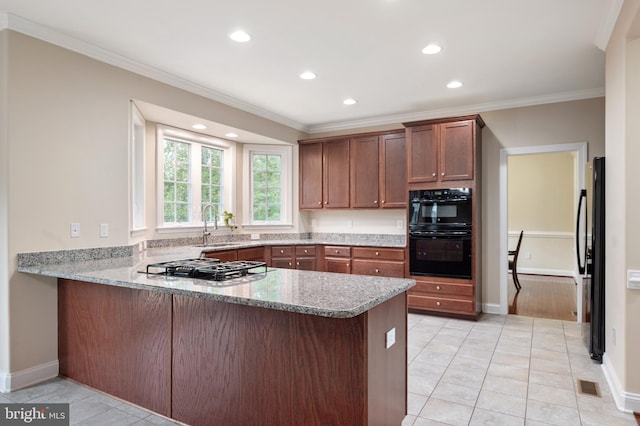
(177, 170)
(212, 179)
(273, 212)
(259, 213)
(266, 187)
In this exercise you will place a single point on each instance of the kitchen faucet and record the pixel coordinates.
(205, 231)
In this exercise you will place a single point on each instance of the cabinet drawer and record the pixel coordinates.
(282, 251)
(443, 304)
(337, 251)
(378, 253)
(379, 268)
(305, 251)
(444, 288)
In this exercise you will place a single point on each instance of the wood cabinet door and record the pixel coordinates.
(422, 150)
(456, 150)
(336, 174)
(393, 171)
(365, 169)
(306, 263)
(341, 266)
(311, 176)
(286, 263)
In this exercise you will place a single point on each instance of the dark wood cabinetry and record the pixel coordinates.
(294, 257)
(355, 171)
(441, 154)
(223, 255)
(378, 171)
(384, 262)
(337, 259)
(324, 174)
(439, 151)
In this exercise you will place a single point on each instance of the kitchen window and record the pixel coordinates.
(269, 186)
(193, 171)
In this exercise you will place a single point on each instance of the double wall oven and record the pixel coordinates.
(440, 236)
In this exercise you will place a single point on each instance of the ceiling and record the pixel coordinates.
(506, 53)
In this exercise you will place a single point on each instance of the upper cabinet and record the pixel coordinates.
(356, 171)
(378, 171)
(324, 174)
(444, 150)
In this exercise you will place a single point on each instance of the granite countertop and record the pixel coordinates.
(308, 292)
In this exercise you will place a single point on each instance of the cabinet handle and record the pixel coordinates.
(377, 253)
(377, 271)
(437, 287)
(297, 263)
(375, 202)
(326, 202)
(434, 175)
(382, 201)
(281, 251)
(442, 174)
(305, 251)
(337, 251)
(320, 202)
(289, 263)
(437, 303)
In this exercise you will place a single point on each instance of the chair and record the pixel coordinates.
(513, 263)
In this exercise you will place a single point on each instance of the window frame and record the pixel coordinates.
(137, 170)
(195, 140)
(286, 173)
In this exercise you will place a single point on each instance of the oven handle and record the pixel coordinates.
(465, 235)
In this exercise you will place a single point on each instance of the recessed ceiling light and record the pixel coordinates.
(454, 84)
(240, 36)
(349, 101)
(308, 75)
(199, 126)
(431, 49)
(231, 135)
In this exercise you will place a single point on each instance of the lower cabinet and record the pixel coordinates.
(384, 262)
(223, 255)
(337, 259)
(294, 257)
(449, 296)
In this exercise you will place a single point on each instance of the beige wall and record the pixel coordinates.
(67, 145)
(623, 130)
(4, 205)
(541, 201)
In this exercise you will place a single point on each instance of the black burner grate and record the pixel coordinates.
(208, 269)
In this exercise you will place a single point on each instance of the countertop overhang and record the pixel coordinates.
(307, 292)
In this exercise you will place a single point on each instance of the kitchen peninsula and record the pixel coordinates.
(281, 346)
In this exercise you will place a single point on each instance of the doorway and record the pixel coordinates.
(579, 154)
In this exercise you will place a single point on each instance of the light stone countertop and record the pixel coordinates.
(308, 292)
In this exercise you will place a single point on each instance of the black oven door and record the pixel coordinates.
(440, 255)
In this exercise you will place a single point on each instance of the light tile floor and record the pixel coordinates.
(501, 370)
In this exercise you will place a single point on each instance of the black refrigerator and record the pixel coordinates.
(590, 248)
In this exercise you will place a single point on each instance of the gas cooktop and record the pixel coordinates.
(206, 269)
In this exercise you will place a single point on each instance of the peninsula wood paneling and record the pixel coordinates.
(117, 340)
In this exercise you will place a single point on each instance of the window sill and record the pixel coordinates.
(268, 226)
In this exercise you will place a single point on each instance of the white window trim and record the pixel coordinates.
(137, 211)
(286, 178)
(196, 212)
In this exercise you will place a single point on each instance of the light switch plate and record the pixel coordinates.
(390, 338)
(633, 280)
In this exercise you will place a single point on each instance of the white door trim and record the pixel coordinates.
(580, 148)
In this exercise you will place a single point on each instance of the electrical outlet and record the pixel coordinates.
(75, 230)
(349, 224)
(390, 338)
(527, 255)
(613, 336)
(255, 236)
(104, 230)
(314, 222)
(400, 224)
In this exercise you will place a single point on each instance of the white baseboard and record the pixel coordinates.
(21, 379)
(554, 272)
(492, 308)
(625, 401)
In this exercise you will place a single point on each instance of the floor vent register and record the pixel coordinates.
(587, 387)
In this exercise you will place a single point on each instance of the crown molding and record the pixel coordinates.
(607, 24)
(459, 110)
(49, 35)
